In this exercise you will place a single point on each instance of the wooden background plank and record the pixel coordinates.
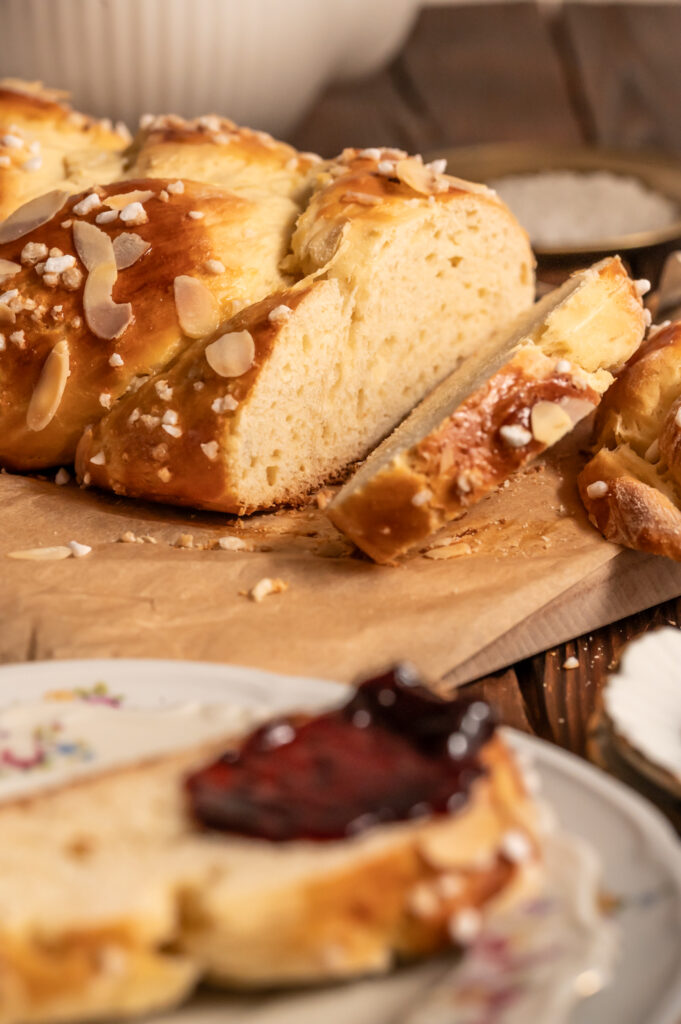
(626, 57)
(467, 74)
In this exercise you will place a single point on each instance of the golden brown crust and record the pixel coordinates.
(630, 488)
(180, 244)
(215, 150)
(353, 188)
(635, 406)
(629, 508)
(44, 144)
(136, 453)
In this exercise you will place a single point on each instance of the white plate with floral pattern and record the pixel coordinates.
(528, 968)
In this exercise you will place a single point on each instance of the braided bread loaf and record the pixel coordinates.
(120, 321)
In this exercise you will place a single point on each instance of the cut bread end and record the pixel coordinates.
(632, 487)
(520, 394)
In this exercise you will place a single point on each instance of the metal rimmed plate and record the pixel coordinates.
(640, 855)
(489, 162)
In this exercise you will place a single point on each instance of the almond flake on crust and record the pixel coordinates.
(549, 422)
(197, 310)
(49, 390)
(232, 354)
(105, 318)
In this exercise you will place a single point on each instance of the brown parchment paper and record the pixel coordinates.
(342, 615)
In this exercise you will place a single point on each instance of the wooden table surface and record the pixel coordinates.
(602, 74)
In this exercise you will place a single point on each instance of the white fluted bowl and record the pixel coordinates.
(260, 62)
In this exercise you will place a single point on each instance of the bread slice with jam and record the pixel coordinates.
(316, 848)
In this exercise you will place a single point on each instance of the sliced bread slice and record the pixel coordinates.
(403, 272)
(520, 393)
(632, 486)
(113, 901)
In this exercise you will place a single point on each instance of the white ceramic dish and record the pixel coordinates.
(640, 855)
(260, 62)
(643, 703)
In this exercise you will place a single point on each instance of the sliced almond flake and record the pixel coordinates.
(105, 318)
(32, 215)
(48, 392)
(576, 408)
(196, 307)
(549, 422)
(128, 248)
(42, 554)
(119, 202)
(456, 550)
(231, 355)
(467, 186)
(415, 174)
(94, 247)
(8, 269)
(363, 198)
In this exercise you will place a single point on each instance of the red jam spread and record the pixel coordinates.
(395, 751)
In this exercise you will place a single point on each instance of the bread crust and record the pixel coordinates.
(216, 151)
(351, 202)
(633, 511)
(630, 488)
(446, 468)
(44, 315)
(72, 150)
(132, 464)
(456, 464)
